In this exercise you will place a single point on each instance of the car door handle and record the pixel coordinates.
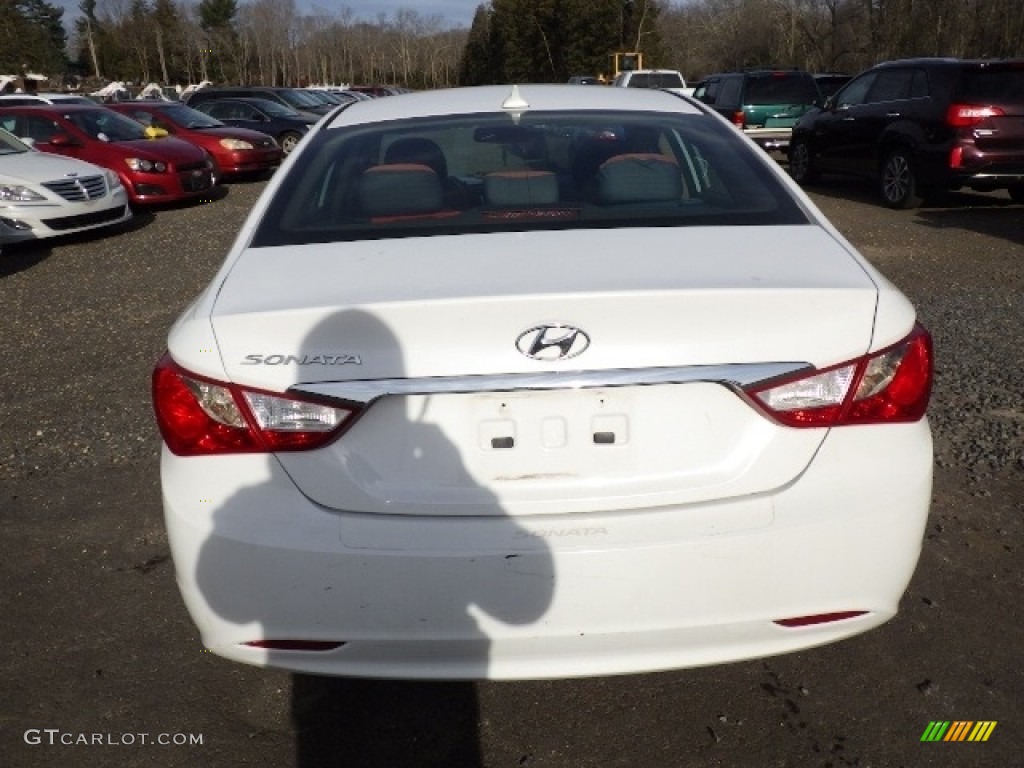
(892, 114)
(849, 119)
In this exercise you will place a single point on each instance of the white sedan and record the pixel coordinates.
(540, 382)
(44, 195)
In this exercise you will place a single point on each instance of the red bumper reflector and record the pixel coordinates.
(820, 618)
(295, 645)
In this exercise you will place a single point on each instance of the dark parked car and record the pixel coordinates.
(830, 82)
(765, 103)
(286, 125)
(921, 126)
(294, 98)
(331, 99)
(235, 150)
(376, 91)
(151, 170)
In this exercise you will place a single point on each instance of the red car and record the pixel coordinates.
(151, 170)
(235, 150)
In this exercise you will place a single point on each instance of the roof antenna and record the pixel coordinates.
(515, 104)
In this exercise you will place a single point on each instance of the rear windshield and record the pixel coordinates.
(780, 89)
(188, 117)
(490, 173)
(298, 99)
(994, 85)
(655, 80)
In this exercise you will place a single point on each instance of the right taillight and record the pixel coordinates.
(889, 386)
(200, 417)
(739, 118)
(967, 115)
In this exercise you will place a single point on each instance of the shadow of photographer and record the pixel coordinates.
(413, 588)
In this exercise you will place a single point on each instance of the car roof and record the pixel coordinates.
(42, 95)
(147, 103)
(55, 109)
(244, 89)
(761, 72)
(940, 61)
(522, 98)
(255, 101)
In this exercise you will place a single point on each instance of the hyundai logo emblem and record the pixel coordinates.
(552, 342)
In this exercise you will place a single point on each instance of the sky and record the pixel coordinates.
(457, 13)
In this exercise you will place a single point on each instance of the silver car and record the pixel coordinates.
(45, 195)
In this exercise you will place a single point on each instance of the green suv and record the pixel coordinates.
(765, 103)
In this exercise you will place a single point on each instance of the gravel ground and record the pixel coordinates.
(97, 640)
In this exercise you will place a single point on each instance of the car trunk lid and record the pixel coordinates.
(699, 300)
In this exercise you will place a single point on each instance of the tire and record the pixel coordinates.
(215, 173)
(1016, 193)
(801, 163)
(288, 140)
(898, 183)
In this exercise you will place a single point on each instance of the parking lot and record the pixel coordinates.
(104, 668)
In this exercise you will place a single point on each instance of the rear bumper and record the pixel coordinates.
(770, 139)
(964, 165)
(564, 596)
(988, 180)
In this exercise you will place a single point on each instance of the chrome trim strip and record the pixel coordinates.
(367, 390)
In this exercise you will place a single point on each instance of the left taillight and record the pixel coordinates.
(199, 416)
(969, 115)
(890, 386)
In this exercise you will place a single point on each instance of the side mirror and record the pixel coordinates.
(63, 140)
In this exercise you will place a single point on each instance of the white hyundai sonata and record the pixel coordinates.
(540, 382)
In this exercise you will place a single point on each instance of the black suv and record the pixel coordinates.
(920, 126)
(295, 98)
(764, 103)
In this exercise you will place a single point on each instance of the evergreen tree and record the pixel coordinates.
(168, 33)
(480, 64)
(32, 37)
(217, 14)
(140, 38)
(217, 18)
(592, 32)
(87, 32)
(640, 30)
(550, 40)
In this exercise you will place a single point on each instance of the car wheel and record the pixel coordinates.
(801, 164)
(899, 181)
(1016, 193)
(215, 174)
(288, 141)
